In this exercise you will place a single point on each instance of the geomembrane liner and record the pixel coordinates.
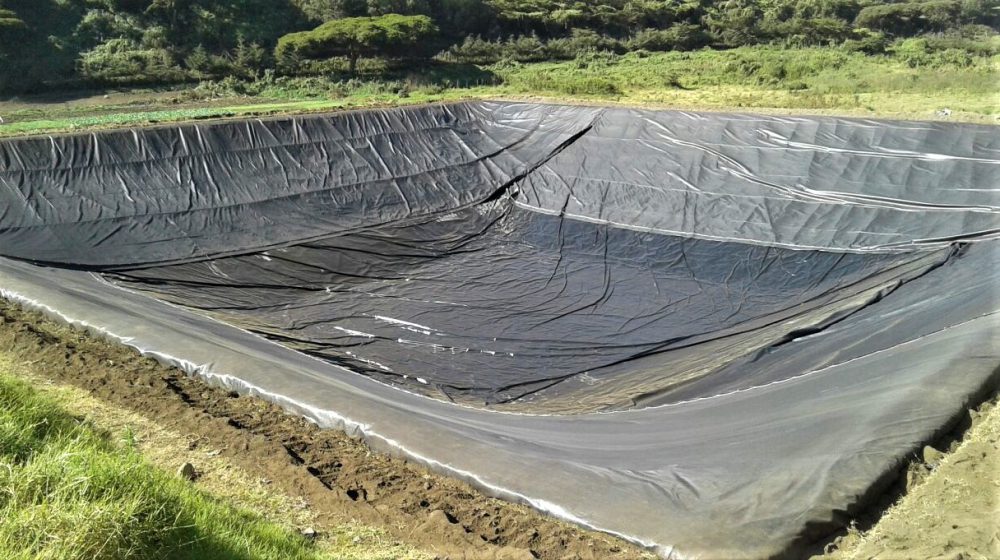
(715, 335)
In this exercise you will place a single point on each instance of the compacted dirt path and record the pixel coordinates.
(338, 476)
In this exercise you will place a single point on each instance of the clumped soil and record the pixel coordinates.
(338, 476)
(948, 505)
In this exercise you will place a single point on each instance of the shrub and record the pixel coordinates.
(679, 37)
(976, 40)
(580, 41)
(910, 18)
(202, 64)
(802, 32)
(123, 61)
(581, 85)
(867, 41)
(250, 59)
(913, 52)
(475, 50)
(526, 48)
(98, 26)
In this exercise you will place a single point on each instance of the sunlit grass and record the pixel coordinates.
(69, 491)
(822, 80)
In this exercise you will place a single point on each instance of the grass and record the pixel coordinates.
(772, 78)
(71, 490)
(68, 491)
(760, 79)
(121, 119)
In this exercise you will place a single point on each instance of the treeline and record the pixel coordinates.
(70, 43)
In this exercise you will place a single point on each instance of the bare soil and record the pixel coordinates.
(951, 506)
(338, 476)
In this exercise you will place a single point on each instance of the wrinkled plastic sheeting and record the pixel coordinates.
(723, 333)
(803, 183)
(753, 472)
(173, 194)
(127, 198)
(495, 304)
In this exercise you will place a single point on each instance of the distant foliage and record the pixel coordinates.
(735, 23)
(62, 42)
(10, 24)
(326, 10)
(391, 35)
(12, 30)
(124, 61)
(679, 37)
(910, 18)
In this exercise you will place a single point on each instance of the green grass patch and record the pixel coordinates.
(809, 77)
(59, 121)
(69, 491)
(827, 80)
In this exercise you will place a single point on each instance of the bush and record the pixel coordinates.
(123, 61)
(529, 48)
(868, 42)
(98, 26)
(803, 32)
(155, 37)
(913, 52)
(579, 85)
(680, 37)
(250, 59)
(475, 50)
(581, 41)
(202, 65)
(526, 48)
(976, 40)
(910, 18)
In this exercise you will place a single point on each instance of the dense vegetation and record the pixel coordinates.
(75, 43)
(388, 35)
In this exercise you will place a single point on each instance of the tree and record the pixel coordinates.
(680, 37)
(218, 24)
(404, 7)
(326, 10)
(388, 35)
(11, 28)
(735, 22)
(910, 18)
(463, 18)
(125, 61)
(9, 22)
(30, 47)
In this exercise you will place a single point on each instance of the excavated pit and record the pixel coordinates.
(645, 322)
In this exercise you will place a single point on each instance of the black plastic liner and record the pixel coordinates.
(721, 331)
(495, 303)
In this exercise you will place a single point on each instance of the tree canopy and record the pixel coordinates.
(9, 22)
(387, 35)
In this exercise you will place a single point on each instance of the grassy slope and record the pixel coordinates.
(68, 490)
(71, 492)
(801, 80)
(762, 79)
